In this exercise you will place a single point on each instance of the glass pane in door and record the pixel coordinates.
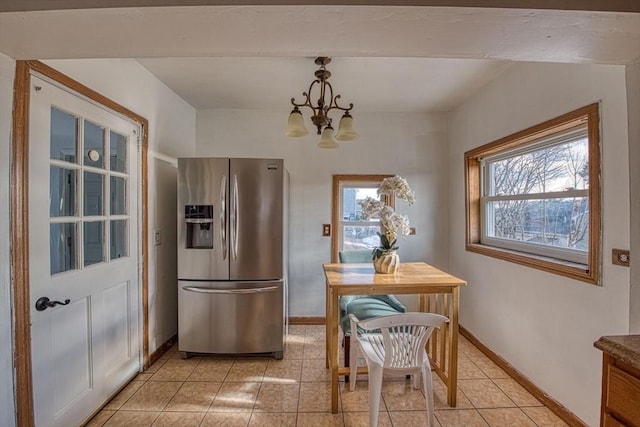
(64, 136)
(118, 152)
(93, 145)
(62, 192)
(118, 195)
(93, 190)
(118, 238)
(62, 245)
(93, 242)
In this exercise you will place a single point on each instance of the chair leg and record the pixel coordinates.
(375, 390)
(347, 354)
(353, 364)
(427, 381)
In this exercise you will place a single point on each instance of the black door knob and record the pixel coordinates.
(44, 303)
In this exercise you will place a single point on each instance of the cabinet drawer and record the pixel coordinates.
(623, 399)
(609, 421)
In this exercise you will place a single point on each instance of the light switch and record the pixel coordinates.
(157, 239)
(326, 230)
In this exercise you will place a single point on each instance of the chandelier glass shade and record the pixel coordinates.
(320, 118)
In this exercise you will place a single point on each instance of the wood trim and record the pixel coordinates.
(160, 351)
(335, 204)
(20, 226)
(20, 246)
(555, 406)
(589, 114)
(306, 320)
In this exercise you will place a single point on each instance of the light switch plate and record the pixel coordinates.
(157, 238)
(326, 230)
(620, 257)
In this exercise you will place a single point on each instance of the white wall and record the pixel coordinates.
(171, 135)
(544, 324)
(633, 106)
(7, 400)
(411, 145)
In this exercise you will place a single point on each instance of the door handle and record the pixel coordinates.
(44, 303)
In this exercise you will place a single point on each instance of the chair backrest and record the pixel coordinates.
(404, 336)
(348, 257)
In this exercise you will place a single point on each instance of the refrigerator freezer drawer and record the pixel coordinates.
(231, 317)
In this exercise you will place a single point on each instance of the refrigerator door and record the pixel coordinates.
(203, 226)
(256, 219)
(231, 317)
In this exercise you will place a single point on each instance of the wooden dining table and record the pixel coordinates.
(439, 292)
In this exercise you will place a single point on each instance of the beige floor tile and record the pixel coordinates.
(175, 370)
(315, 370)
(460, 418)
(296, 330)
(357, 400)
(401, 396)
(516, 392)
(277, 398)
(500, 417)
(489, 368)
(251, 370)
(235, 397)
(124, 395)
(145, 376)
(294, 350)
(179, 419)
(230, 419)
(211, 370)
(485, 394)
(316, 419)
(194, 396)
(411, 418)
(467, 370)
(314, 350)
(315, 397)
(440, 396)
(361, 419)
(132, 418)
(315, 333)
(283, 371)
(152, 396)
(543, 417)
(100, 418)
(154, 368)
(266, 419)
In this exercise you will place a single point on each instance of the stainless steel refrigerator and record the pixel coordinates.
(232, 264)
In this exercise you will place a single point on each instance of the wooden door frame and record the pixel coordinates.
(19, 177)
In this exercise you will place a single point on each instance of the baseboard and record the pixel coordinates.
(306, 320)
(162, 350)
(555, 406)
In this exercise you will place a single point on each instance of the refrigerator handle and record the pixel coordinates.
(234, 236)
(230, 291)
(223, 216)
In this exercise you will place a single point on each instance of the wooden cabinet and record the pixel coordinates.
(620, 387)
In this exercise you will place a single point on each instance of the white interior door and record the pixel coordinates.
(83, 252)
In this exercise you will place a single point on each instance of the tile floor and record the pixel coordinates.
(295, 391)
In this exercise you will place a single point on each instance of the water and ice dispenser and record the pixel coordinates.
(199, 222)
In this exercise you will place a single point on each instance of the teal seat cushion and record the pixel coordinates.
(349, 257)
(390, 300)
(366, 307)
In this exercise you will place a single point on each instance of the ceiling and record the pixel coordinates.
(385, 58)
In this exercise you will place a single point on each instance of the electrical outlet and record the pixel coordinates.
(157, 238)
(620, 257)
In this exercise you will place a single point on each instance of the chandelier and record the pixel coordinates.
(320, 119)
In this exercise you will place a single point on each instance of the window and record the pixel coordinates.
(350, 231)
(534, 197)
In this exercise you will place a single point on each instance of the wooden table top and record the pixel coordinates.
(355, 278)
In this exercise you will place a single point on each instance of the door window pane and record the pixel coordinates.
(118, 195)
(118, 152)
(119, 239)
(359, 237)
(62, 247)
(62, 192)
(64, 136)
(93, 242)
(93, 145)
(93, 189)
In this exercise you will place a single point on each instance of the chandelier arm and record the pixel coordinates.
(307, 95)
(336, 106)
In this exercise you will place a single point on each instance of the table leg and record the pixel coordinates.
(327, 324)
(452, 387)
(334, 346)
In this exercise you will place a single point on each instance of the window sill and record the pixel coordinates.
(551, 265)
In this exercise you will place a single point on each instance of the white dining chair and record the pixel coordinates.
(394, 345)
